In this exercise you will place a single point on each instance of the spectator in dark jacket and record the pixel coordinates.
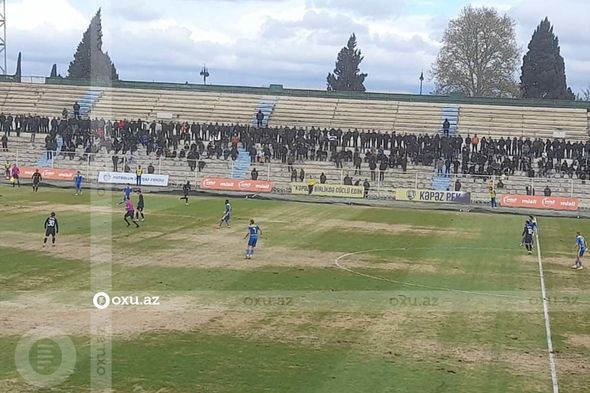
(547, 191)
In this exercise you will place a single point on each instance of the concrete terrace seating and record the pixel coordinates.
(418, 117)
(348, 114)
(181, 105)
(303, 112)
(508, 121)
(39, 99)
(117, 104)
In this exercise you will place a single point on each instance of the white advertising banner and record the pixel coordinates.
(130, 178)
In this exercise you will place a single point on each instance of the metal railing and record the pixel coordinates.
(415, 177)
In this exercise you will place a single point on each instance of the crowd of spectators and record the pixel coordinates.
(372, 150)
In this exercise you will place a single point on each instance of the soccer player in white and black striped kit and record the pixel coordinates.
(51, 229)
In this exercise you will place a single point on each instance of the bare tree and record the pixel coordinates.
(479, 56)
(584, 95)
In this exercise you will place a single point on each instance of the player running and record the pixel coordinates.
(51, 229)
(185, 190)
(527, 234)
(253, 232)
(533, 222)
(130, 212)
(581, 244)
(140, 206)
(15, 175)
(227, 215)
(78, 179)
(126, 194)
(36, 180)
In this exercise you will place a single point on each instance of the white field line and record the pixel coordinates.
(338, 263)
(546, 317)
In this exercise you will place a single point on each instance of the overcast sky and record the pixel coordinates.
(259, 42)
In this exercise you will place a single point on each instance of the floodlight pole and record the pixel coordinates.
(204, 73)
(421, 81)
(3, 68)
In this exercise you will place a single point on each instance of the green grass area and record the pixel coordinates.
(179, 254)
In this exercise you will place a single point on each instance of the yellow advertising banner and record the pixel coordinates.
(405, 194)
(333, 190)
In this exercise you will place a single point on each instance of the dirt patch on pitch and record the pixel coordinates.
(28, 312)
(86, 208)
(559, 261)
(579, 340)
(367, 226)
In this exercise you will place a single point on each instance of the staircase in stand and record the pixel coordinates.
(266, 105)
(241, 165)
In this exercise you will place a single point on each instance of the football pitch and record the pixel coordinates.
(336, 299)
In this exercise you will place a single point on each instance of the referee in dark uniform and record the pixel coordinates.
(51, 229)
(185, 190)
(140, 205)
(36, 180)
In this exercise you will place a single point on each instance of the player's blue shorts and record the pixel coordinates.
(581, 252)
(252, 241)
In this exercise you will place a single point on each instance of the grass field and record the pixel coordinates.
(420, 301)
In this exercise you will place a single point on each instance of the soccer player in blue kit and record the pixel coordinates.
(126, 194)
(527, 236)
(581, 245)
(253, 233)
(78, 179)
(227, 215)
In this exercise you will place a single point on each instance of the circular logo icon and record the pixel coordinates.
(101, 300)
(45, 357)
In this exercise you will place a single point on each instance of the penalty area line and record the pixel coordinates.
(546, 317)
(338, 263)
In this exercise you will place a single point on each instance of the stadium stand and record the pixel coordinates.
(324, 126)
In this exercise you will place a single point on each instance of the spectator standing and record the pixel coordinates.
(254, 174)
(357, 164)
(323, 178)
(310, 184)
(372, 167)
(151, 169)
(259, 118)
(457, 185)
(115, 160)
(138, 173)
(493, 197)
(367, 187)
(301, 175)
(547, 191)
(446, 127)
(474, 143)
(4, 143)
(294, 175)
(76, 108)
(382, 169)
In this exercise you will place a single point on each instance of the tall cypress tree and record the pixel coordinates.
(543, 68)
(90, 62)
(347, 76)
